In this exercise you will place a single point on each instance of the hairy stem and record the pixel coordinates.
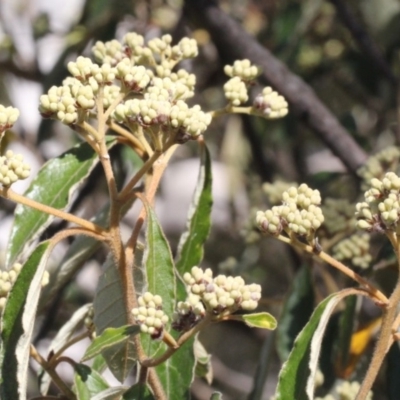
(152, 362)
(371, 289)
(385, 338)
(134, 143)
(53, 373)
(9, 194)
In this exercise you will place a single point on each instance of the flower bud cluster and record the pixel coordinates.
(186, 48)
(274, 190)
(83, 69)
(377, 165)
(8, 117)
(220, 295)
(270, 104)
(135, 48)
(59, 103)
(339, 215)
(243, 70)
(108, 52)
(150, 316)
(7, 279)
(172, 88)
(134, 77)
(13, 168)
(299, 213)
(381, 209)
(236, 91)
(160, 94)
(148, 111)
(354, 249)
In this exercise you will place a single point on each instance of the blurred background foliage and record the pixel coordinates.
(348, 52)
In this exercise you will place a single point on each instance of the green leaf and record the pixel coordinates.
(297, 376)
(109, 311)
(138, 392)
(158, 263)
(112, 393)
(109, 338)
(99, 364)
(216, 396)
(17, 323)
(54, 186)
(88, 382)
(176, 374)
(346, 325)
(261, 320)
(296, 312)
(190, 248)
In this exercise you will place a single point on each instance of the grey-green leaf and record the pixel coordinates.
(109, 311)
(17, 323)
(296, 312)
(176, 374)
(54, 186)
(190, 248)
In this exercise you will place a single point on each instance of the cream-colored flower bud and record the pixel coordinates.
(186, 48)
(236, 91)
(270, 104)
(8, 117)
(242, 69)
(110, 52)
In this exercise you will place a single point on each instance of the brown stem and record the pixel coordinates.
(153, 362)
(372, 290)
(229, 109)
(70, 343)
(9, 194)
(52, 372)
(126, 192)
(133, 142)
(385, 338)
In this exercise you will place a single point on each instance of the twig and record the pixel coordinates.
(9, 194)
(52, 372)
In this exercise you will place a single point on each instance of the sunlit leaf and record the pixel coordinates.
(261, 320)
(54, 186)
(17, 323)
(190, 248)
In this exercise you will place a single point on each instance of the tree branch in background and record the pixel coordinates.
(363, 39)
(234, 43)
